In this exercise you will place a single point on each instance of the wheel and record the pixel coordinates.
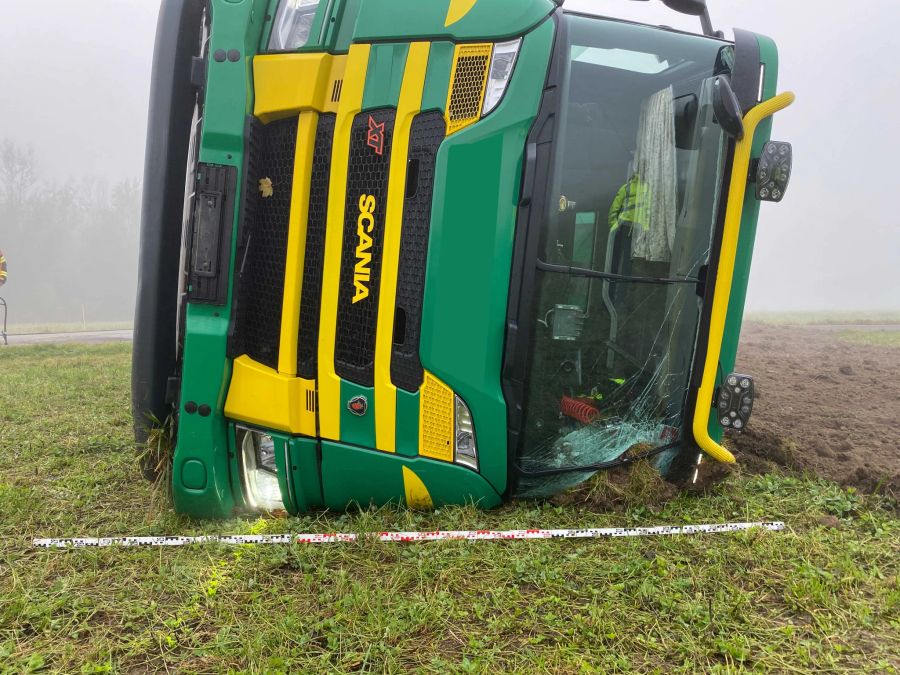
(172, 132)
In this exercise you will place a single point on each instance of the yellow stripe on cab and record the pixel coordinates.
(296, 247)
(350, 105)
(408, 107)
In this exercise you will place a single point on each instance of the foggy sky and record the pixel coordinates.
(74, 80)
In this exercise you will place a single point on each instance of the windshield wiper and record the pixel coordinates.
(610, 276)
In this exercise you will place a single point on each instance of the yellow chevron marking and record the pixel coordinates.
(417, 495)
(457, 10)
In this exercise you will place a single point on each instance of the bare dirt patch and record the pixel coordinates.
(824, 404)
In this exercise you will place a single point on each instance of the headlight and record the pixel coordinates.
(502, 62)
(293, 23)
(259, 471)
(466, 450)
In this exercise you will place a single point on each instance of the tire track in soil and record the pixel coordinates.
(823, 405)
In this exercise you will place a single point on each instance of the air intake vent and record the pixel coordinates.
(261, 267)
(436, 431)
(311, 298)
(467, 84)
(336, 91)
(424, 140)
(310, 401)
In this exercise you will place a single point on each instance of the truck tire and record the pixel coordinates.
(172, 104)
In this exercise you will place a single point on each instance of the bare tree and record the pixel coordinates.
(18, 176)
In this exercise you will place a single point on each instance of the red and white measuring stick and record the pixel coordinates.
(405, 537)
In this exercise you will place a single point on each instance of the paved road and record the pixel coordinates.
(89, 338)
(100, 336)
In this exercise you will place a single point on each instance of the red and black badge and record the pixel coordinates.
(358, 405)
(375, 136)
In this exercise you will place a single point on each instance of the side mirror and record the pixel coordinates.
(774, 171)
(692, 7)
(727, 108)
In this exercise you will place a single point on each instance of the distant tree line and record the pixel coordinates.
(69, 244)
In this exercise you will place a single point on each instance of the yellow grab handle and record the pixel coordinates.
(727, 256)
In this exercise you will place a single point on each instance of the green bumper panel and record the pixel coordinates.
(356, 475)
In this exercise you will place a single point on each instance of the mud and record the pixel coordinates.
(823, 406)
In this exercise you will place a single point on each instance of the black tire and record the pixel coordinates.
(172, 101)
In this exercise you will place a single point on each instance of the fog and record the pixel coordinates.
(73, 100)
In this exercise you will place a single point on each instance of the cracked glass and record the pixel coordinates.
(636, 179)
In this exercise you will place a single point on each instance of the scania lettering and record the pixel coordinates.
(366, 223)
(444, 252)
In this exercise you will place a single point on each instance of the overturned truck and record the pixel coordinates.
(444, 252)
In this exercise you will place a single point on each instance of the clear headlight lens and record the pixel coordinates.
(466, 450)
(293, 23)
(503, 61)
(259, 471)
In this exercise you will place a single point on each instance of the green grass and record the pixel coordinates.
(803, 318)
(73, 327)
(879, 338)
(822, 596)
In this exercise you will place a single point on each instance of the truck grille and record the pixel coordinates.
(311, 296)
(426, 136)
(265, 231)
(363, 243)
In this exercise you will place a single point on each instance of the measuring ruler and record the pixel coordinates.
(405, 537)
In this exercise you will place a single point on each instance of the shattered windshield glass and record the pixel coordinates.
(634, 193)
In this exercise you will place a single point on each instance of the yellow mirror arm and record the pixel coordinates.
(727, 256)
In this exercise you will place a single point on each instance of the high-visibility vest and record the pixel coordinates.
(631, 205)
(3, 272)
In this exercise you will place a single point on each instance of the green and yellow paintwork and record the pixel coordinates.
(400, 59)
(768, 55)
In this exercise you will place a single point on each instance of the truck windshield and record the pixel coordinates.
(634, 192)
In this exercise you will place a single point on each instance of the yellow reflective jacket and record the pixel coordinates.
(3, 272)
(631, 205)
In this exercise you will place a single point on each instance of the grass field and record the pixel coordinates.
(822, 596)
(836, 318)
(881, 338)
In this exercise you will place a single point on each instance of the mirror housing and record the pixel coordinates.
(773, 172)
(692, 7)
(727, 108)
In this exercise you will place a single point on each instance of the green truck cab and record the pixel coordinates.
(443, 252)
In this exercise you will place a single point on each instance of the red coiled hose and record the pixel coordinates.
(578, 410)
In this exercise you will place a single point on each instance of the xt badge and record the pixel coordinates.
(375, 136)
(358, 405)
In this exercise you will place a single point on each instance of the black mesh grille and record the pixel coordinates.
(428, 130)
(311, 297)
(265, 233)
(367, 185)
(253, 135)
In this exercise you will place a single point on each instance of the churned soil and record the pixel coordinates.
(823, 405)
